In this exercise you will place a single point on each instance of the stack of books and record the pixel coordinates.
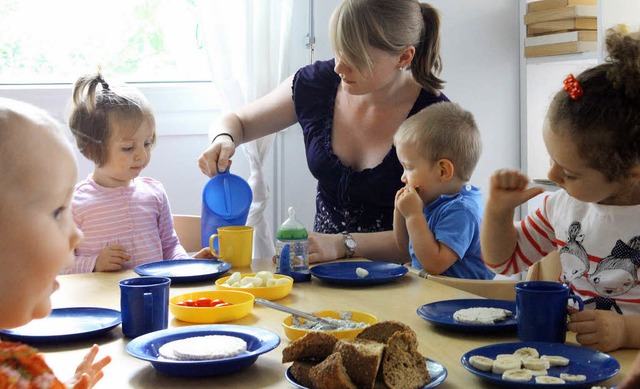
(557, 27)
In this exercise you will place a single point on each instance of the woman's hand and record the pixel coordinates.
(89, 373)
(217, 157)
(325, 247)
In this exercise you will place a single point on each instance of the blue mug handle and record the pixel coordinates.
(148, 310)
(578, 300)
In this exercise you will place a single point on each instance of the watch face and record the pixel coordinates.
(350, 243)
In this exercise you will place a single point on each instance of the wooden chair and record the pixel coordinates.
(548, 269)
(188, 230)
(491, 289)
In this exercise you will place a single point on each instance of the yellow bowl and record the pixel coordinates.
(263, 292)
(293, 333)
(241, 306)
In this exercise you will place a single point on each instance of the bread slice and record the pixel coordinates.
(382, 331)
(403, 367)
(361, 358)
(331, 374)
(301, 372)
(314, 346)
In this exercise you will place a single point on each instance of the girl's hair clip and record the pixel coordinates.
(573, 87)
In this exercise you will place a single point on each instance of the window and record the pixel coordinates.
(52, 42)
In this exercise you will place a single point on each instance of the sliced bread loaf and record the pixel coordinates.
(361, 358)
(301, 372)
(382, 331)
(314, 346)
(330, 374)
(403, 367)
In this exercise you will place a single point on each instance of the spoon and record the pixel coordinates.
(293, 311)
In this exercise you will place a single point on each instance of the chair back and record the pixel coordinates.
(187, 228)
(548, 269)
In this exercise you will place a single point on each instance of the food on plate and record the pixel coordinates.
(395, 362)
(382, 331)
(547, 379)
(197, 348)
(402, 365)
(556, 360)
(203, 302)
(331, 373)
(523, 363)
(259, 280)
(526, 352)
(573, 377)
(362, 273)
(519, 375)
(500, 365)
(481, 363)
(312, 346)
(481, 315)
(533, 363)
(361, 358)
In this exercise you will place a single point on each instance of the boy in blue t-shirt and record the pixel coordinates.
(438, 214)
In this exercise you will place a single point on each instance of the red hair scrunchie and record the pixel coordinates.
(573, 87)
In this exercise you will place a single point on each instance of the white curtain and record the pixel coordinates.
(248, 42)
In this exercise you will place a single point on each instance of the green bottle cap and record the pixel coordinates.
(292, 229)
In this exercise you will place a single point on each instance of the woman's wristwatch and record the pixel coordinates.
(350, 244)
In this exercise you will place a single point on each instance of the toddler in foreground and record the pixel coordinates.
(437, 214)
(592, 134)
(37, 238)
(126, 219)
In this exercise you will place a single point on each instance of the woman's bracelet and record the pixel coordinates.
(223, 133)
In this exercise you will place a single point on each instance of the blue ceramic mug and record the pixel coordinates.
(541, 310)
(144, 305)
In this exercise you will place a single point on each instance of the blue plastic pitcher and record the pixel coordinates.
(226, 199)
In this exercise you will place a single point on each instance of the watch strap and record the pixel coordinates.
(349, 244)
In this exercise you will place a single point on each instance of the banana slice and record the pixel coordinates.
(520, 375)
(536, 373)
(532, 363)
(547, 379)
(481, 363)
(525, 352)
(499, 356)
(573, 377)
(556, 360)
(503, 364)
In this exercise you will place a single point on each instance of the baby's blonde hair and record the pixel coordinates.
(444, 130)
(96, 112)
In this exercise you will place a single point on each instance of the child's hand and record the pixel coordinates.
(112, 258)
(204, 253)
(408, 202)
(508, 189)
(89, 373)
(601, 330)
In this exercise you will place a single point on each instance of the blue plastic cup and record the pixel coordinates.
(144, 305)
(541, 310)
(226, 200)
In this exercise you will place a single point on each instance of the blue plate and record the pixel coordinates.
(259, 341)
(65, 324)
(437, 372)
(595, 365)
(440, 313)
(185, 270)
(344, 273)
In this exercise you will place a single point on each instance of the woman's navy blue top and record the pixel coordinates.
(346, 200)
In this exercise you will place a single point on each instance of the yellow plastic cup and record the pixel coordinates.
(235, 245)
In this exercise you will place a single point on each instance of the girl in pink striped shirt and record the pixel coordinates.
(126, 219)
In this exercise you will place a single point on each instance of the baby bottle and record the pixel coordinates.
(292, 248)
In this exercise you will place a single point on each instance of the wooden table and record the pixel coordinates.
(397, 300)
